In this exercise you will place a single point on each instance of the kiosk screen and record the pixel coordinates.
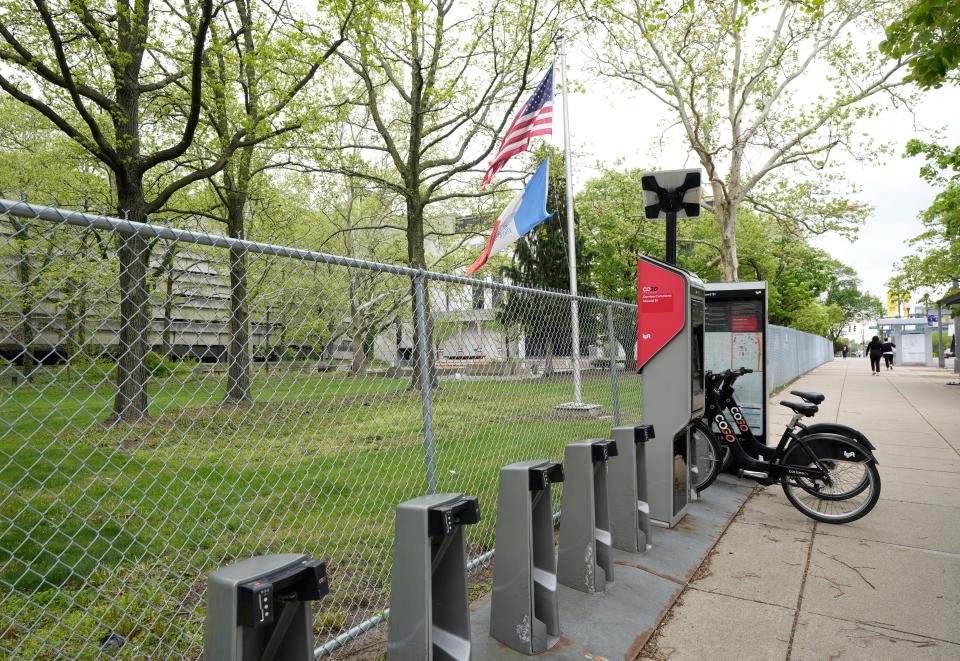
(696, 358)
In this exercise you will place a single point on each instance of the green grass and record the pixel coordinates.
(114, 528)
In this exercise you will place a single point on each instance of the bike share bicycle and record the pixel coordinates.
(829, 476)
(712, 457)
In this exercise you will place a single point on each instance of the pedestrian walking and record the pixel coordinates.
(844, 350)
(889, 348)
(874, 351)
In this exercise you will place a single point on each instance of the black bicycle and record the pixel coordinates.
(829, 477)
(710, 456)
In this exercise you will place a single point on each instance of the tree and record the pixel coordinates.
(928, 34)
(50, 271)
(260, 62)
(936, 263)
(431, 85)
(844, 293)
(111, 76)
(540, 261)
(732, 72)
(615, 233)
(818, 318)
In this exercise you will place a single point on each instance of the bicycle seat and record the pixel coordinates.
(812, 397)
(808, 410)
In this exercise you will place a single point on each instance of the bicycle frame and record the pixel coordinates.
(719, 397)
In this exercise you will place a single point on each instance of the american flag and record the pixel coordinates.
(534, 118)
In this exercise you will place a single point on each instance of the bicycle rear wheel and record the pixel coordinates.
(706, 454)
(851, 490)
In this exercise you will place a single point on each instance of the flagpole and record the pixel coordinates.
(571, 246)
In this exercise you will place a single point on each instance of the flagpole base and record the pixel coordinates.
(580, 410)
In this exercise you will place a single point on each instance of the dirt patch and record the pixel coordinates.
(651, 649)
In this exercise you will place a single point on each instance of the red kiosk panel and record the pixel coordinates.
(660, 309)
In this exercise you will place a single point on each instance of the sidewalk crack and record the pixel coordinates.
(856, 570)
(803, 585)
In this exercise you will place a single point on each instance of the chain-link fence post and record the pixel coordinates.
(423, 365)
(613, 366)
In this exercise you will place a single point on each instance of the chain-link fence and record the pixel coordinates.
(171, 401)
(791, 353)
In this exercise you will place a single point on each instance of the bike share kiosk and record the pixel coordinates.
(585, 560)
(735, 336)
(523, 609)
(629, 508)
(258, 609)
(429, 606)
(670, 317)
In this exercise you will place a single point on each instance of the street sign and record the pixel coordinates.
(871, 328)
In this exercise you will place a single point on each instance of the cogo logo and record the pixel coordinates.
(728, 435)
(651, 289)
(738, 418)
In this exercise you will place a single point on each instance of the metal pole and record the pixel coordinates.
(671, 237)
(571, 246)
(423, 364)
(941, 361)
(613, 367)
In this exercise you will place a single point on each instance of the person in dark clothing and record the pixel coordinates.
(874, 351)
(888, 350)
(843, 350)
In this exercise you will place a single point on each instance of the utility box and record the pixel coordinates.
(523, 609)
(670, 319)
(629, 508)
(429, 606)
(585, 559)
(259, 609)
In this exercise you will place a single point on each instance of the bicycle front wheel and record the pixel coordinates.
(706, 456)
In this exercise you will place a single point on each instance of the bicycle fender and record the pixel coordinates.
(830, 446)
(841, 430)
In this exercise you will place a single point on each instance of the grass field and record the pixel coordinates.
(112, 529)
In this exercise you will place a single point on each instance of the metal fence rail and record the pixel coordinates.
(233, 398)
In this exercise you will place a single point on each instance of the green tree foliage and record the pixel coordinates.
(927, 35)
(798, 275)
(818, 318)
(433, 87)
(731, 74)
(125, 83)
(935, 264)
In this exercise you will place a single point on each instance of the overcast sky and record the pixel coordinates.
(610, 125)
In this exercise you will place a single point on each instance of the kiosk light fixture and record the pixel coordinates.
(671, 194)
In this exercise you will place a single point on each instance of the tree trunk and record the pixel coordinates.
(167, 341)
(416, 259)
(130, 402)
(548, 356)
(27, 332)
(357, 348)
(726, 214)
(238, 373)
(627, 337)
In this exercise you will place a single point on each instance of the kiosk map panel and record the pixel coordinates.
(736, 322)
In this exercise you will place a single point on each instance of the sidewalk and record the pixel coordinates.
(780, 586)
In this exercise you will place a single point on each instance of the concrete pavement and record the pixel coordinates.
(780, 586)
